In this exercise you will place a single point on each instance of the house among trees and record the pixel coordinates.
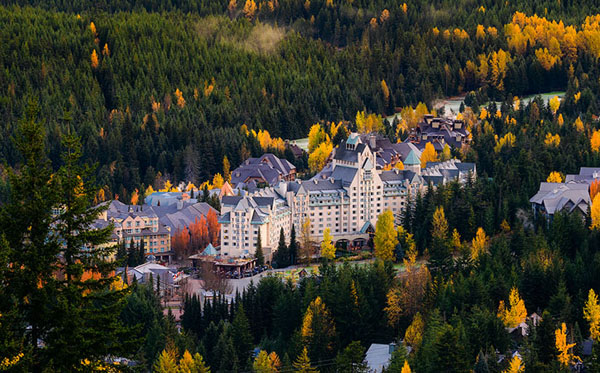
(155, 228)
(388, 153)
(575, 195)
(268, 169)
(439, 132)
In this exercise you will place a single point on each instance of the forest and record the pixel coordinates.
(159, 89)
(152, 92)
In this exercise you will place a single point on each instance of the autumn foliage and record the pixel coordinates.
(516, 313)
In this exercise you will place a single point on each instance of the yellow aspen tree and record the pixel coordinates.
(516, 103)
(516, 314)
(93, 28)
(186, 363)
(386, 238)
(554, 104)
(515, 366)
(399, 165)
(578, 124)
(106, 51)
(591, 312)
(180, 99)
(249, 9)
(94, 59)
(218, 181)
(480, 33)
(565, 354)
(554, 177)
(429, 155)
(148, 191)
(479, 244)
(317, 159)
(552, 140)
(596, 212)
(595, 141)
(406, 367)
(414, 333)
(404, 8)
(576, 97)
(483, 114)
(560, 120)
(327, 247)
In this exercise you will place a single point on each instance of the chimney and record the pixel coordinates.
(372, 142)
(392, 348)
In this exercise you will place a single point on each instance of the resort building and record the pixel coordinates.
(347, 197)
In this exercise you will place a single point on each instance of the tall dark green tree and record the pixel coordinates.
(260, 258)
(293, 247)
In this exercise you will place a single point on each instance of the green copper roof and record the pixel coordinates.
(412, 159)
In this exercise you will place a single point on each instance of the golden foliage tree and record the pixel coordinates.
(218, 181)
(595, 141)
(316, 136)
(392, 309)
(327, 247)
(249, 9)
(479, 244)
(94, 59)
(480, 33)
(367, 123)
(167, 362)
(565, 353)
(596, 212)
(440, 224)
(554, 104)
(554, 177)
(594, 188)
(226, 169)
(148, 191)
(516, 314)
(385, 15)
(317, 159)
(591, 312)
(306, 248)
(318, 328)
(266, 363)
(386, 238)
(302, 363)
(180, 99)
(552, 140)
(106, 51)
(406, 367)
(506, 141)
(385, 90)
(429, 155)
(414, 333)
(515, 366)
(135, 197)
(579, 124)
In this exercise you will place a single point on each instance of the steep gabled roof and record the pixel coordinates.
(412, 159)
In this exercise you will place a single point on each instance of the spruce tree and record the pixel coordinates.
(260, 258)
(282, 253)
(293, 247)
(241, 337)
(141, 252)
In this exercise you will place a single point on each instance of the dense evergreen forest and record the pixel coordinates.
(161, 89)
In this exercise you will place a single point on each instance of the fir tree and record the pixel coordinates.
(260, 258)
(293, 247)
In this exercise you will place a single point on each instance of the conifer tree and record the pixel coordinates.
(260, 258)
(302, 363)
(293, 247)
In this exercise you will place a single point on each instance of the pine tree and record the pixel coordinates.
(83, 326)
(141, 252)
(282, 254)
(240, 335)
(260, 258)
(293, 247)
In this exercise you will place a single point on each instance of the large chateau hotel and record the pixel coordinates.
(347, 196)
